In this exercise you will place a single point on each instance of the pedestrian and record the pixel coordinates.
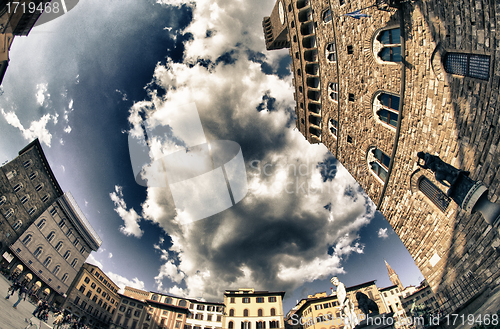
(38, 308)
(22, 294)
(12, 289)
(58, 321)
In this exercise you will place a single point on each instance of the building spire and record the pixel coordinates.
(393, 276)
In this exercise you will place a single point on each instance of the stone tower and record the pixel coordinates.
(414, 77)
(393, 276)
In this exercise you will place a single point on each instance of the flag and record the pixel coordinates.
(357, 14)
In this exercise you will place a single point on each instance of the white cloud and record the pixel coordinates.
(41, 93)
(281, 233)
(382, 233)
(37, 129)
(122, 281)
(67, 129)
(91, 260)
(63, 168)
(110, 255)
(130, 217)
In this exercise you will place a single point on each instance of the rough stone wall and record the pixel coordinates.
(448, 115)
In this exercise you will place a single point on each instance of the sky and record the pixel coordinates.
(106, 74)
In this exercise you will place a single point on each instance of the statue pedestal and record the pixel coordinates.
(378, 321)
(472, 196)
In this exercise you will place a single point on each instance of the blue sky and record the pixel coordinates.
(85, 81)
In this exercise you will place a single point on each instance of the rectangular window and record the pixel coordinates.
(38, 188)
(77, 300)
(350, 50)
(209, 317)
(177, 324)
(199, 316)
(84, 304)
(333, 91)
(232, 300)
(260, 299)
(351, 97)
(468, 65)
(219, 318)
(272, 299)
(433, 193)
(246, 300)
(200, 307)
(317, 307)
(82, 288)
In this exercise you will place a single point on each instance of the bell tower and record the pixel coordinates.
(276, 28)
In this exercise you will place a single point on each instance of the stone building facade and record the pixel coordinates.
(45, 237)
(414, 76)
(92, 295)
(27, 188)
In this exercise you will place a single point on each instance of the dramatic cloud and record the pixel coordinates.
(300, 218)
(123, 281)
(130, 217)
(382, 233)
(37, 129)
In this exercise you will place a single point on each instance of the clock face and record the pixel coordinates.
(281, 12)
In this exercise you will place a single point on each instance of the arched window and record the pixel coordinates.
(47, 261)
(154, 297)
(70, 231)
(8, 213)
(331, 52)
(74, 262)
(41, 224)
(327, 16)
(26, 164)
(56, 270)
(273, 324)
(59, 246)
(25, 199)
(387, 45)
(17, 225)
(261, 325)
(182, 302)
(18, 187)
(38, 252)
(379, 163)
(386, 107)
(333, 127)
(67, 254)
(65, 277)
(33, 175)
(333, 91)
(3, 199)
(231, 312)
(75, 243)
(259, 313)
(231, 325)
(27, 239)
(246, 325)
(433, 193)
(51, 236)
(39, 187)
(11, 174)
(82, 250)
(245, 312)
(273, 311)
(32, 211)
(467, 65)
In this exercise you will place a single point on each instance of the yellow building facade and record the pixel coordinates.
(250, 309)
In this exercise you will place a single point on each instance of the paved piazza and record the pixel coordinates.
(10, 318)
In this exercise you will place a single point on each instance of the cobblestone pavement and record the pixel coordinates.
(11, 318)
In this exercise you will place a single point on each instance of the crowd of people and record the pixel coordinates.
(62, 318)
